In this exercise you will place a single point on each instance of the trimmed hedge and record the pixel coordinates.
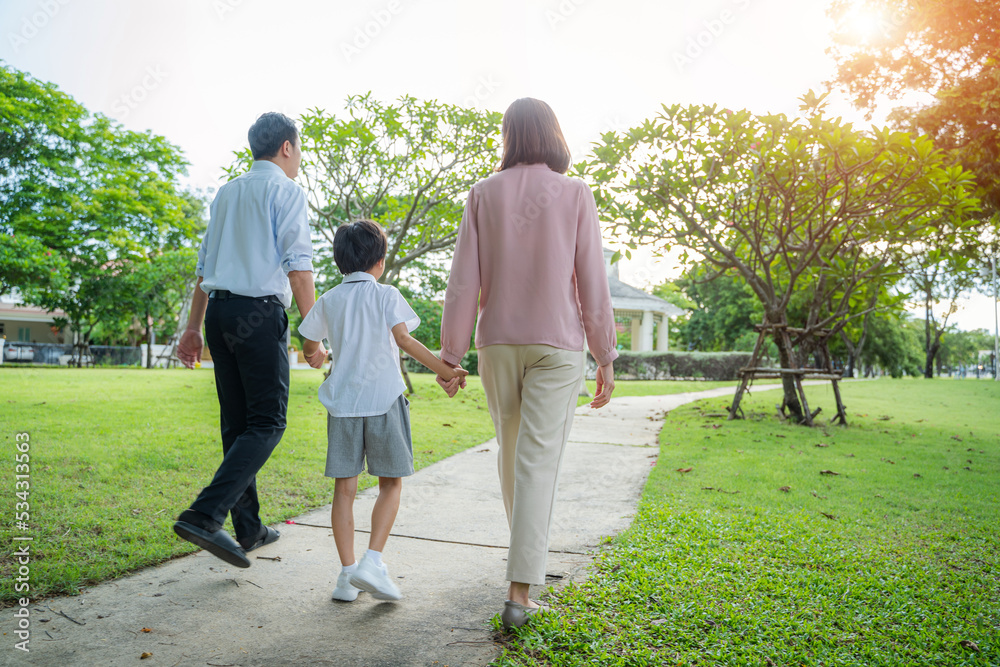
(675, 365)
(646, 365)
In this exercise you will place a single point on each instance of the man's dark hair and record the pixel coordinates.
(358, 246)
(269, 133)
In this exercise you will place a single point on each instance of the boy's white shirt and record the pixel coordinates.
(356, 318)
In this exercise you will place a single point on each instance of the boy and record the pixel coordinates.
(366, 324)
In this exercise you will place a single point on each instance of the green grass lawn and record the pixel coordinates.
(115, 455)
(756, 556)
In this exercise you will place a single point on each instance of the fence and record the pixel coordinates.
(54, 354)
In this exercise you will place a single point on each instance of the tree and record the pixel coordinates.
(947, 48)
(40, 130)
(939, 277)
(724, 308)
(406, 165)
(794, 206)
(159, 286)
(85, 199)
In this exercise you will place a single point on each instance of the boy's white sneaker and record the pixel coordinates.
(375, 579)
(344, 591)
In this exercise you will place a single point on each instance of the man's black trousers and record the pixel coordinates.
(247, 339)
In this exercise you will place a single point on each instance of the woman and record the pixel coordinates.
(529, 263)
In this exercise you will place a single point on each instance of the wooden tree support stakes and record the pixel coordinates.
(782, 334)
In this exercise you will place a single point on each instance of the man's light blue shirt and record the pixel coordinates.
(258, 232)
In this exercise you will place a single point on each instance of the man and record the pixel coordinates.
(255, 256)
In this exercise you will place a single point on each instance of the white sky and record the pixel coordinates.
(200, 71)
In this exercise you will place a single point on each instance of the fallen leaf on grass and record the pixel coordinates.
(821, 444)
(889, 461)
(850, 456)
(785, 489)
(816, 495)
(955, 437)
(828, 472)
(878, 495)
(448, 425)
(965, 643)
(916, 474)
(829, 516)
(658, 621)
(685, 469)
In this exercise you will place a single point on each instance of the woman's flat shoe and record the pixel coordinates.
(515, 615)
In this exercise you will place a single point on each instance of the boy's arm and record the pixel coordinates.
(419, 351)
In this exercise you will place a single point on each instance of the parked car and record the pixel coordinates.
(49, 354)
(14, 352)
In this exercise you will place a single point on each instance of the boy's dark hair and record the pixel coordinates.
(359, 245)
(269, 133)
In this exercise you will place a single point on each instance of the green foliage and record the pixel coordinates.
(754, 557)
(947, 48)
(84, 199)
(667, 365)
(808, 212)
(725, 309)
(407, 165)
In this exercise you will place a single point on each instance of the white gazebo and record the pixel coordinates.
(642, 309)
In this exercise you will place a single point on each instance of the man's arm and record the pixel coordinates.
(304, 291)
(191, 344)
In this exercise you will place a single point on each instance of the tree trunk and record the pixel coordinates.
(932, 351)
(787, 359)
(851, 354)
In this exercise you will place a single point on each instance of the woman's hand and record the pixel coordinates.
(605, 385)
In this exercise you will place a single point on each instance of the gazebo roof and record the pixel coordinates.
(627, 297)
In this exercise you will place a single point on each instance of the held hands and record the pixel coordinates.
(452, 379)
(605, 385)
(189, 347)
(317, 358)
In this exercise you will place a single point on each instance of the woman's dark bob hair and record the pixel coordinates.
(531, 135)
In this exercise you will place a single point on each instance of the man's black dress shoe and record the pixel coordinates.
(270, 535)
(218, 543)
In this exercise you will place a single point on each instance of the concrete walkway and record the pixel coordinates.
(448, 553)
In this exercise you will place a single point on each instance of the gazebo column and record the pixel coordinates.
(663, 334)
(646, 331)
(636, 334)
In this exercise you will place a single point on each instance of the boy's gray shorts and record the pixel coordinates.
(384, 440)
